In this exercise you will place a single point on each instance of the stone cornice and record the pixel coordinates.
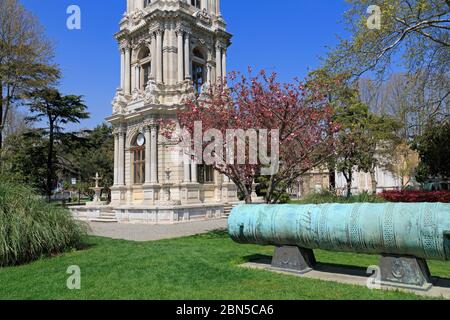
(159, 15)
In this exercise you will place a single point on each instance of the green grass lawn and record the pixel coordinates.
(199, 267)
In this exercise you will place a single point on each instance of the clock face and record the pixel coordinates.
(140, 140)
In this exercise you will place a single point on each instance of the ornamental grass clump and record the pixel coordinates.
(30, 228)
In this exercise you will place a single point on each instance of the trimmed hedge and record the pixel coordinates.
(329, 197)
(416, 196)
(30, 228)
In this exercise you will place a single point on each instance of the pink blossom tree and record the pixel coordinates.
(293, 120)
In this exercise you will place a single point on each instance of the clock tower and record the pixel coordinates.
(169, 50)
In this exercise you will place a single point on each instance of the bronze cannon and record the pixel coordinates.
(405, 235)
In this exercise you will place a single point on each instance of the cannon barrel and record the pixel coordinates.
(421, 230)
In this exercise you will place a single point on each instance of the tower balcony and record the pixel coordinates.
(154, 95)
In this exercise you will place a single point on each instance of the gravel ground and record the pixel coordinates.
(143, 232)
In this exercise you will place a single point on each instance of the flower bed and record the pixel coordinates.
(416, 196)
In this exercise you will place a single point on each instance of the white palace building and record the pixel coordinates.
(169, 50)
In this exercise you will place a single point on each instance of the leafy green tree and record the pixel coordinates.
(77, 155)
(352, 151)
(97, 144)
(24, 158)
(280, 194)
(414, 35)
(337, 91)
(56, 111)
(416, 31)
(25, 56)
(365, 140)
(434, 149)
(382, 142)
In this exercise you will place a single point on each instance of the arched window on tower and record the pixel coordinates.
(196, 3)
(144, 61)
(147, 3)
(138, 153)
(198, 70)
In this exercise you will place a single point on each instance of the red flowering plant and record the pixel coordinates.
(416, 196)
(255, 125)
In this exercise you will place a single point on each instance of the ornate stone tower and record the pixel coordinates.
(169, 50)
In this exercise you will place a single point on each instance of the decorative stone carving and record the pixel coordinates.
(143, 42)
(150, 94)
(189, 93)
(204, 16)
(204, 91)
(136, 17)
(119, 102)
(136, 95)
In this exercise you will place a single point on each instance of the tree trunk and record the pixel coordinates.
(5, 105)
(348, 179)
(50, 162)
(270, 190)
(248, 198)
(374, 181)
(247, 194)
(244, 190)
(332, 179)
(1, 114)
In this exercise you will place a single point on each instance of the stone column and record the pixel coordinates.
(116, 158)
(218, 8)
(159, 62)
(153, 56)
(148, 138)
(186, 169)
(218, 62)
(217, 186)
(187, 53)
(138, 4)
(165, 57)
(209, 74)
(122, 68)
(180, 56)
(194, 171)
(121, 168)
(137, 77)
(204, 5)
(154, 154)
(224, 63)
(127, 70)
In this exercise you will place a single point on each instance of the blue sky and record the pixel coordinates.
(284, 36)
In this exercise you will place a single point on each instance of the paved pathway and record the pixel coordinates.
(143, 232)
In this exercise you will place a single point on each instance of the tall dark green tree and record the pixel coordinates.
(56, 110)
(24, 159)
(98, 145)
(434, 150)
(365, 140)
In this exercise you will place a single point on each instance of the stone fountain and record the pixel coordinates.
(98, 192)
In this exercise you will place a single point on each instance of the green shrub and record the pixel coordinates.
(329, 197)
(30, 228)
